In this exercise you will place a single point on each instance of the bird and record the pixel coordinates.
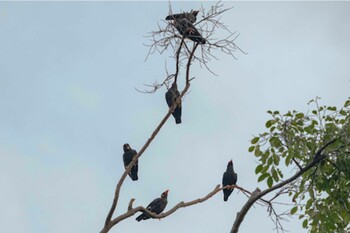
(128, 155)
(184, 24)
(156, 206)
(229, 178)
(171, 96)
(187, 30)
(191, 16)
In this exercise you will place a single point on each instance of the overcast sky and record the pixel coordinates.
(68, 73)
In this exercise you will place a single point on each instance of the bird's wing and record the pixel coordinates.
(224, 179)
(176, 16)
(126, 159)
(169, 97)
(153, 204)
(189, 16)
(186, 28)
(177, 93)
(133, 153)
(191, 30)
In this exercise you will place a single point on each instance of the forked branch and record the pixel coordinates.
(145, 146)
(132, 211)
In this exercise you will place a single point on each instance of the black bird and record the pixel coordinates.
(171, 96)
(184, 24)
(229, 178)
(191, 16)
(187, 30)
(127, 158)
(156, 206)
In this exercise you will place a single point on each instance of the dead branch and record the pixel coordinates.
(155, 86)
(132, 211)
(145, 146)
(167, 38)
(135, 158)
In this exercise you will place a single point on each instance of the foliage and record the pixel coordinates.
(322, 193)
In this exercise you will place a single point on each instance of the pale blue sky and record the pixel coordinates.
(67, 105)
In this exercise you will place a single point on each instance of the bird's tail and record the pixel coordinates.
(170, 17)
(134, 177)
(140, 217)
(202, 40)
(178, 120)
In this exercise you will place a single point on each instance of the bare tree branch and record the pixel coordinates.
(163, 39)
(148, 142)
(167, 38)
(135, 158)
(130, 204)
(132, 211)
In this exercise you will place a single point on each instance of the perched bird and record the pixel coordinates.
(187, 30)
(191, 16)
(171, 96)
(184, 24)
(229, 178)
(127, 158)
(156, 206)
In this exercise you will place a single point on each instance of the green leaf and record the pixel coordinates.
(332, 108)
(305, 223)
(269, 182)
(310, 146)
(309, 203)
(276, 159)
(288, 159)
(268, 123)
(280, 173)
(293, 210)
(309, 129)
(255, 140)
(270, 160)
(347, 103)
(274, 174)
(288, 114)
(343, 113)
(251, 149)
(314, 122)
(275, 142)
(257, 151)
(263, 176)
(299, 115)
(263, 158)
(264, 169)
(258, 168)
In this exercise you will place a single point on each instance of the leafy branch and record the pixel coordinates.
(259, 194)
